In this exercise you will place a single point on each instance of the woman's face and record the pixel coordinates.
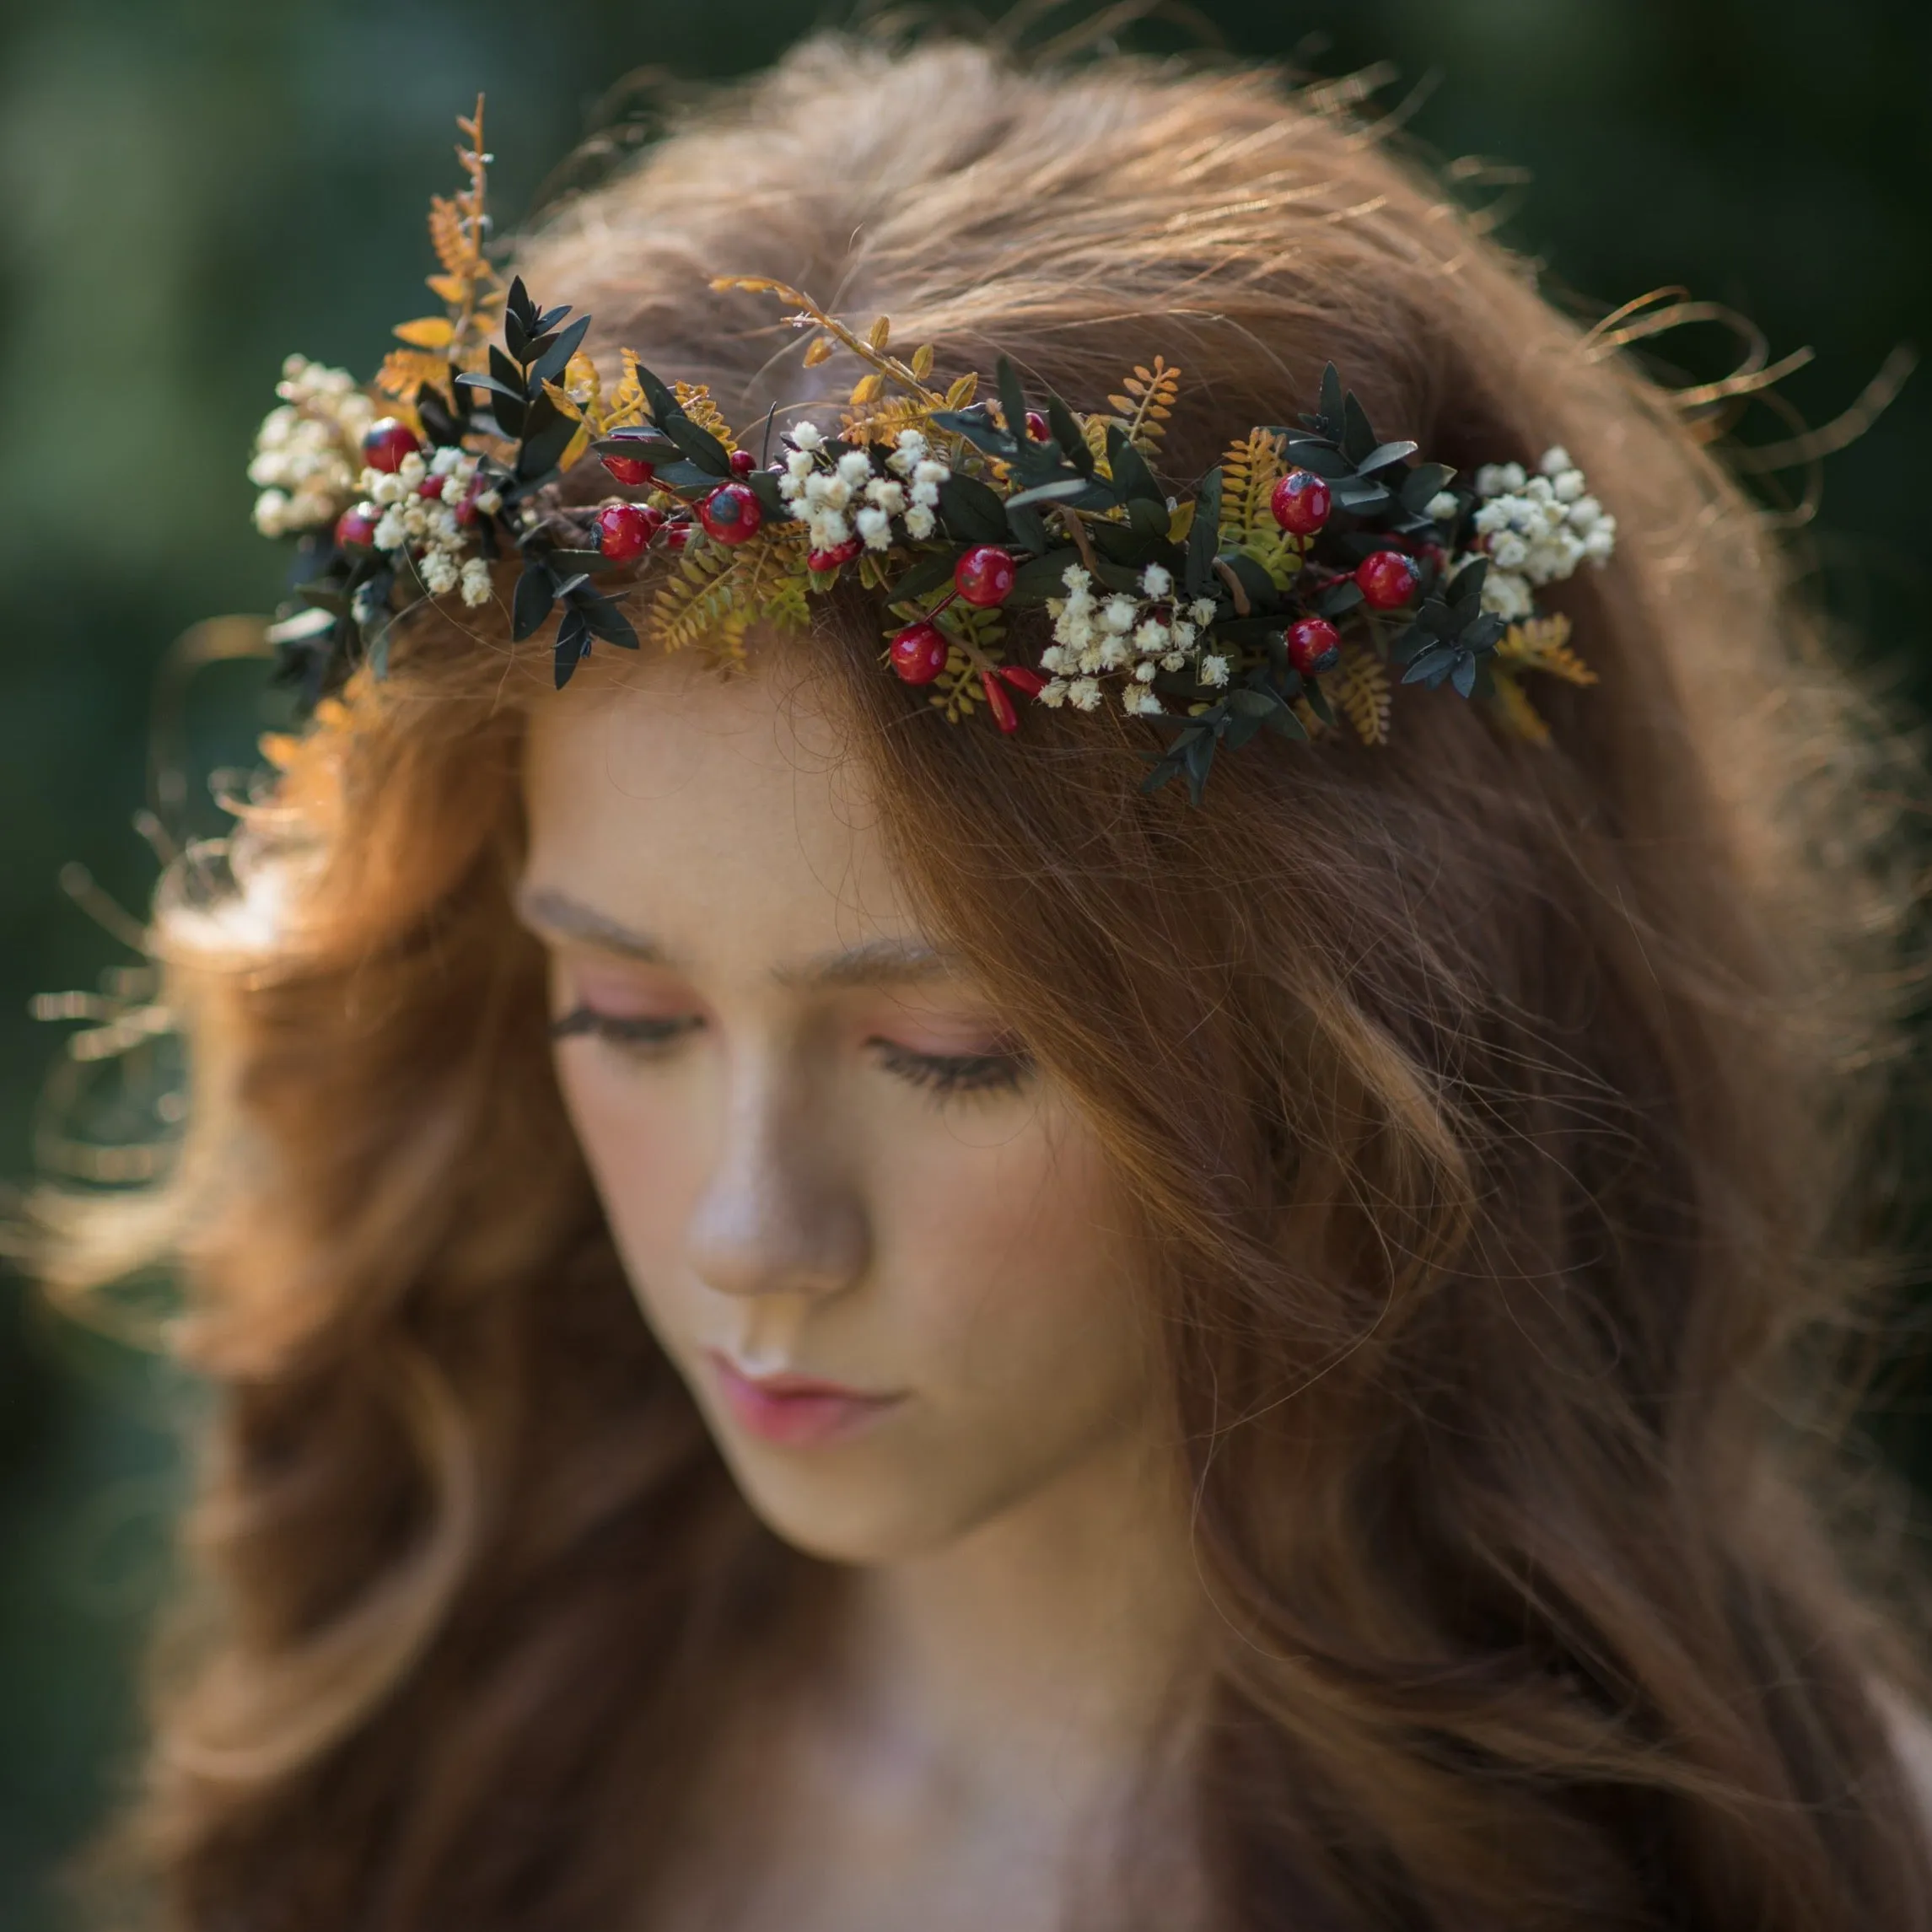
(882, 1249)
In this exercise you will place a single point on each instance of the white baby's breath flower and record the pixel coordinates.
(1083, 694)
(1146, 704)
(1175, 660)
(489, 502)
(1213, 670)
(798, 464)
(1442, 505)
(854, 467)
(1156, 580)
(1507, 595)
(1118, 613)
(1054, 693)
(919, 523)
(1152, 638)
(476, 582)
(806, 436)
(884, 493)
(439, 574)
(1144, 671)
(1555, 461)
(875, 528)
(1201, 611)
(391, 533)
(271, 513)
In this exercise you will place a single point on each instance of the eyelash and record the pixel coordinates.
(944, 1075)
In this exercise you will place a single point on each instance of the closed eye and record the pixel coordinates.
(637, 1032)
(944, 1073)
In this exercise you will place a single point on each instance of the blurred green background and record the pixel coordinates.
(189, 188)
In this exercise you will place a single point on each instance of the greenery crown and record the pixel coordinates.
(1309, 572)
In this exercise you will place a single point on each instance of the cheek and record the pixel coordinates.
(639, 1138)
(1015, 1260)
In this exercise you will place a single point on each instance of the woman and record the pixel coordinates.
(1255, 1364)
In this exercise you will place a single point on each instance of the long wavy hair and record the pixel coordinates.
(1488, 1104)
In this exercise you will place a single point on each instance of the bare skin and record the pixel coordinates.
(892, 1264)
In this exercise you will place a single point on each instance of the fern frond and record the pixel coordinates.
(1542, 643)
(1359, 685)
(718, 591)
(881, 420)
(1148, 403)
(694, 399)
(404, 371)
(626, 405)
(1514, 711)
(1249, 473)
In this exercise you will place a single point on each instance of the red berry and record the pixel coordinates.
(823, 560)
(743, 462)
(919, 652)
(430, 489)
(998, 702)
(1036, 426)
(677, 535)
(731, 514)
(1314, 646)
(623, 529)
(1388, 580)
(355, 529)
(631, 471)
(1022, 678)
(984, 575)
(387, 443)
(1300, 502)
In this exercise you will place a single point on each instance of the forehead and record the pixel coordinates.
(720, 813)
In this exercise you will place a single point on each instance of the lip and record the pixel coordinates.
(795, 1410)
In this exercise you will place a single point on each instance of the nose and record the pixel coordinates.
(777, 1215)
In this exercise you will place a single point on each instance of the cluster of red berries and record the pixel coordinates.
(730, 513)
(1386, 579)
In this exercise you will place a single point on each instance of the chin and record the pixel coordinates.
(840, 1518)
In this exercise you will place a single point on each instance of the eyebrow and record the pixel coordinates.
(873, 963)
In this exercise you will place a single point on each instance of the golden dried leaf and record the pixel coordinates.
(404, 371)
(1360, 686)
(564, 401)
(426, 332)
(819, 350)
(1514, 711)
(880, 332)
(455, 289)
(963, 392)
(867, 388)
(921, 363)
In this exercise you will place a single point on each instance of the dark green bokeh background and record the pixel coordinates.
(189, 188)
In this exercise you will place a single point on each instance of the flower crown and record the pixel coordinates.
(1313, 568)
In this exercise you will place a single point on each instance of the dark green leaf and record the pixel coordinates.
(1202, 535)
(543, 446)
(602, 615)
(1338, 597)
(1383, 456)
(1131, 475)
(764, 486)
(978, 429)
(971, 511)
(531, 603)
(1426, 481)
(572, 645)
(928, 573)
(1027, 523)
(1331, 394)
(698, 444)
(1318, 458)
(552, 362)
(1358, 438)
(1065, 433)
(518, 303)
(663, 401)
(1463, 677)
(1040, 578)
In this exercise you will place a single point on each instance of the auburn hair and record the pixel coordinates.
(1489, 1103)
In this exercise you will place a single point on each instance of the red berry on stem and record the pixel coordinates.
(430, 489)
(919, 652)
(1036, 426)
(984, 575)
(1387, 579)
(743, 462)
(823, 560)
(731, 514)
(677, 536)
(387, 443)
(1000, 704)
(1022, 678)
(624, 528)
(1300, 502)
(1314, 646)
(631, 471)
(355, 529)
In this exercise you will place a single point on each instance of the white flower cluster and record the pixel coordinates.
(838, 499)
(307, 452)
(409, 516)
(1093, 636)
(1537, 529)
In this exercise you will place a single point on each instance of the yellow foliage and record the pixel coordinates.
(719, 591)
(1359, 685)
(404, 371)
(694, 399)
(867, 389)
(426, 332)
(1542, 643)
(881, 333)
(1148, 403)
(1249, 472)
(1514, 711)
